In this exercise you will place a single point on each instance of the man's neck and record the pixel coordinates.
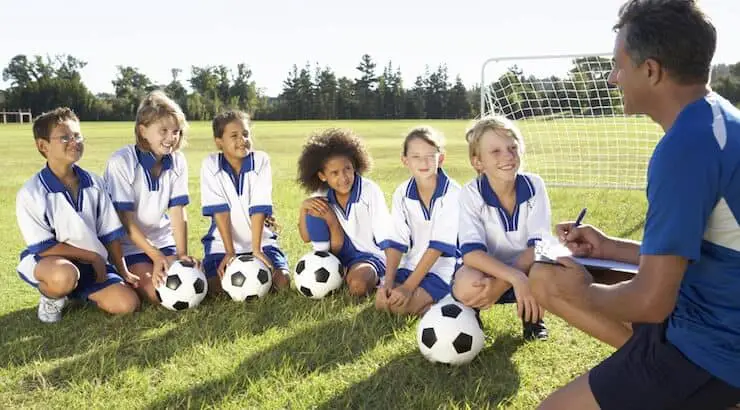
(672, 103)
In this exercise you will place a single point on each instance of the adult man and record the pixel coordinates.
(676, 324)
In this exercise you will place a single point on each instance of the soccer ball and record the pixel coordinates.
(246, 278)
(317, 274)
(450, 332)
(184, 287)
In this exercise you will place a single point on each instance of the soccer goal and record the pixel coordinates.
(575, 131)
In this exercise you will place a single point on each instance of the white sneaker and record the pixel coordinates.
(50, 310)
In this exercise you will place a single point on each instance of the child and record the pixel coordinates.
(148, 182)
(236, 192)
(70, 228)
(346, 214)
(425, 216)
(503, 214)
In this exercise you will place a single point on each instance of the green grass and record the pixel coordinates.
(284, 351)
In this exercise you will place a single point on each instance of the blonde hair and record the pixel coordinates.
(494, 123)
(426, 134)
(154, 107)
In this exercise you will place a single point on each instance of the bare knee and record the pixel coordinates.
(463, 288)
(57, 276)
(360, 281)
(119, 299)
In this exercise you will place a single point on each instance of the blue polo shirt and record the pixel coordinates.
(693, 197)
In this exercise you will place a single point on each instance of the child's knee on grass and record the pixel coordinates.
(117, 299)
(462, 288)
(361, 279)
(57, 276)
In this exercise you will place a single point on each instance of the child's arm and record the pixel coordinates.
(110, 231)
(320, 208)
(159, 261)
(260, 205)
(215, 205)
(179, 198)
(302, 230)
(115, 257)
(398, 240)
(223, 224)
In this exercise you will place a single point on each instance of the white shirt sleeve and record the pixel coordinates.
(446, 223)
(260, 199)
(35, 229)
(381, 217)
(179, 195)
(399, 233)
(119, 181)
(212, 196)
(472, 235)
(108, 225)
(539, 220)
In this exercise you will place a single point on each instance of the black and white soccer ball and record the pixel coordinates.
(317, 274)
(246, 278)
(450, 333)
(184, 287)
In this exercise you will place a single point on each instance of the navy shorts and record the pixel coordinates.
(649, 372)
(143, 258)
(350, 256)
(86, 284)
(274, 254)
(435, 286)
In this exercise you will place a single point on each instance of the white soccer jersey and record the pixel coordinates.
(366, 220)
(241, 195)
(416, 228)
(47, 214)
(485, 224)
(133, 188)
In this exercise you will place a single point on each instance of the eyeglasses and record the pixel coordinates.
(66, 139)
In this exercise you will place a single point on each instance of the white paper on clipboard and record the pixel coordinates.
(553, 250)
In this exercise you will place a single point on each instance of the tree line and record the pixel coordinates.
(316, 92)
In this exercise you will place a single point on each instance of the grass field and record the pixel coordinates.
(284, 351)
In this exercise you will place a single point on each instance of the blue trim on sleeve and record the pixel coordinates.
(446, 249)
(112, 236)
(393, 244)
(41, 246)
(215, 209)
(178, 200)
(473, 246)
(123, 206)
(532, 242)
(260, 209)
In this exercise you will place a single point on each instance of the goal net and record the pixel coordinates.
(575, 130)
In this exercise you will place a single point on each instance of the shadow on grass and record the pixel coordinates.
(319, 349)
(410, 382)
(99, 347)
(631, 230)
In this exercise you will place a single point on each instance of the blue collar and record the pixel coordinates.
(523, 186)
(148, 160)
(54, 185)
(354, 194)
(247, 164)
(412, 191)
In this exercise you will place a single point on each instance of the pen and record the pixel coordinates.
(580, 217)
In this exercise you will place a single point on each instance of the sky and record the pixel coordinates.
(270, 36)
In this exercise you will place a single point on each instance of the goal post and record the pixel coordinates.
(575, 131)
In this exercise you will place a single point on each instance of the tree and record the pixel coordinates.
(458, 103)
(366, 86)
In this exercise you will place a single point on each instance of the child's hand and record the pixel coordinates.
(317, 207)
(527, 307)
(381, 298)
(486, 294)
(101, 269)
(400, 296)
(262, 257)
(160, 264)
(224, 264)
(188, 260)
(130, 278)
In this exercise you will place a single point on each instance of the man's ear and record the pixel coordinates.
(654, 71)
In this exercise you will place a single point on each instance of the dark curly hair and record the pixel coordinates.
(327, 144)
